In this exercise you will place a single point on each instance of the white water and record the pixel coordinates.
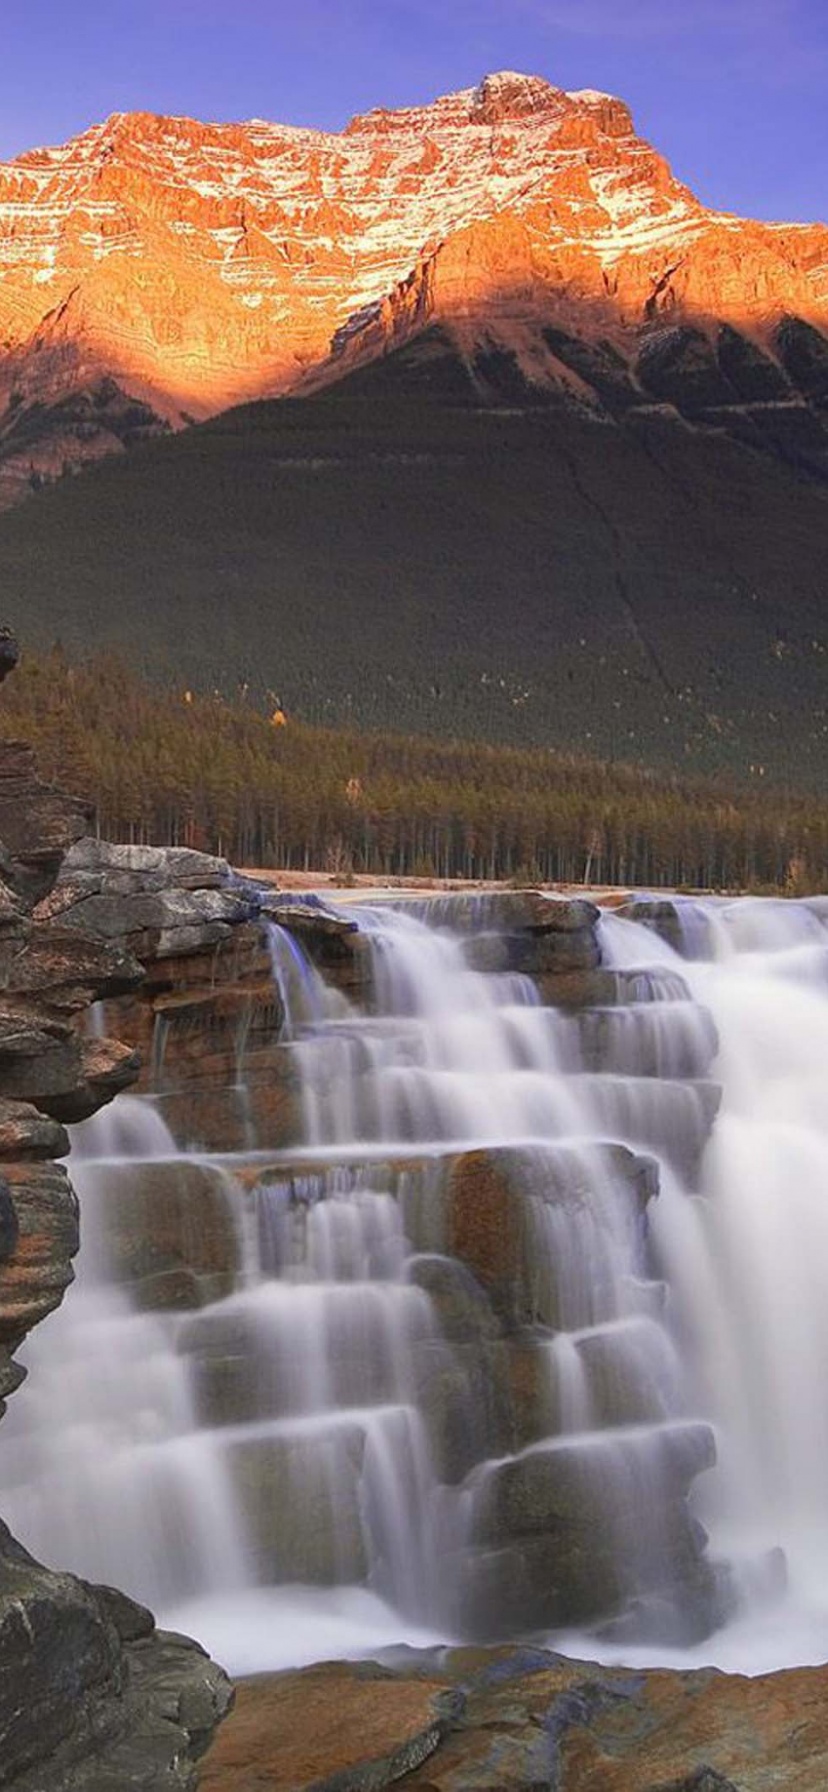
(746, 1260)
(121, 1461)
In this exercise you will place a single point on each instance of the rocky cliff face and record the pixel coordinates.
(91, 1696)
(156, 269)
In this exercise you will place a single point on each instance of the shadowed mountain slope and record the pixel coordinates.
(432, 544)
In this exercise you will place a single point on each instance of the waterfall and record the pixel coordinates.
(745, 1257)
(533, 1306)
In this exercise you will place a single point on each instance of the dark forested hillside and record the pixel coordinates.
(174, 768)
(408, 551)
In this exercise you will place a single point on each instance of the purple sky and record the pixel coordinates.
(731, 91)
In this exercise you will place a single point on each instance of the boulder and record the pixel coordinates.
(93, 1697)
(71, 1077)
(67, 970)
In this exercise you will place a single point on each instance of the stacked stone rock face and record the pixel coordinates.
(91, 1696)
(208, 1021)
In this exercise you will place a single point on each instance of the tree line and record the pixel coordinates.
(177, 768)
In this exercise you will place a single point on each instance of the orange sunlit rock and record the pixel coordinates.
(198, 265)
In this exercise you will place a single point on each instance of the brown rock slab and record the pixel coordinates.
(531, 1721)
(25, 1133)
(332, 1728)
(39, 1269)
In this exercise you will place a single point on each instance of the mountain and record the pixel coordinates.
(155, 269)
(544, 452)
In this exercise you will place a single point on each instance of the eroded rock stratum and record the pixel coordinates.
(92, 1696)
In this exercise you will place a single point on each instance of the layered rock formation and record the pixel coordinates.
(214, 1021)
(502, 1720)
(209, 1016)
(155, 269)
(91, 1696)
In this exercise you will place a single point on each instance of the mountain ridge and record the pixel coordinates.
(197, 266)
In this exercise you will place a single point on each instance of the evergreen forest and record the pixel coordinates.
(174, 767)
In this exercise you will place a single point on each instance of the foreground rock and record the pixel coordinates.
(349, 1728)
(93, 1697)
(523, 1720)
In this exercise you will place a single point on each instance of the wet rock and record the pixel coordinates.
(648, 1040)
(660, 915)
(207, 1022)
(11, 1377)
(534, 952)
(494, 1203)
(333, 1728)
(300, 1499)
(576, 1526)
(310, 921)
(464, 1313)
(464, 1398)
(572, 990)
(225, 1369)
(548, 1488)
(167, 1231)
(525, 1719)
(332, 941)
(504, 911)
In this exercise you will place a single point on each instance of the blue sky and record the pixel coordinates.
(732, 91)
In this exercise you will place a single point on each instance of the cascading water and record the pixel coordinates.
(359, 1439)
(746, 1259)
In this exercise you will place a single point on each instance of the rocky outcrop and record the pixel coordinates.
(204, 1014)
(91, 1696)
(535, 224)
(517, 1720)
